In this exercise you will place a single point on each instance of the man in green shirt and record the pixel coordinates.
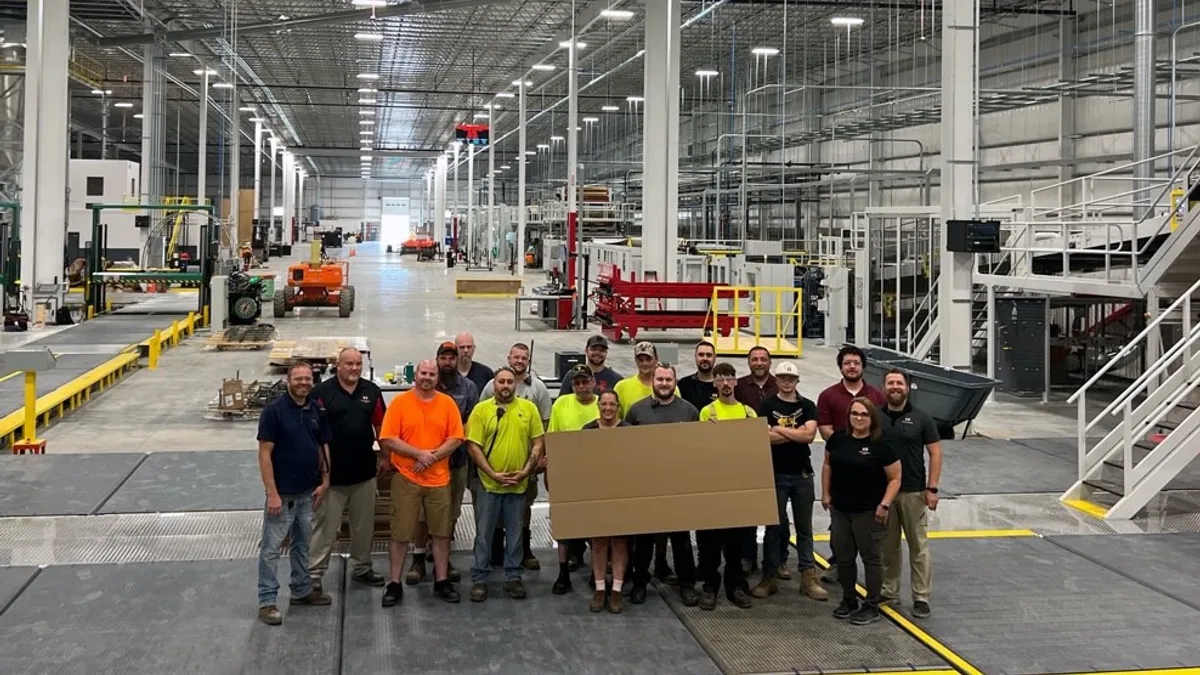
(504, 437)
(712, 543)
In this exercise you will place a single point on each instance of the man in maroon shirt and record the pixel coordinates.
(833, 405)
(759, 385)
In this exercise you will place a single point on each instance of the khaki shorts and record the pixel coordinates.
(410, 500)
(458, 485)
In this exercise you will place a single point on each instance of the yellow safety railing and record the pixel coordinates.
(86, 70)
(756, 316)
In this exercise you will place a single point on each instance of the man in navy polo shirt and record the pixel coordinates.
(293, 456)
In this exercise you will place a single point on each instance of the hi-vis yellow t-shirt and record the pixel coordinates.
(726, 411)
(568, 414)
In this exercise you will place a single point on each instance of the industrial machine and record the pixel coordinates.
(623, 306)
(320, 282)
(245, 298)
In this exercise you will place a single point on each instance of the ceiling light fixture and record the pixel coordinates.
(543, 146)
(846, 21)
(530, 152)
(98, 92)
(222, 85)
(368, 101)
(707, 73)
(366, 158)
(369, 37)
(557, 139)
(591, 120)
(543, 66)
(528, 83)
(204, 71)
(179, 55)
(617, 14)
(566, 44)
(256, 119)
(506, 94)
(368, 76)
(367, 113)
(635, 99)
(367, 90)
(123, 104)
(247, 108)
(482, 116)
(609, 108)
(138, 116)
(366, 132)
(505, 167)
(764, 51)
(369, 3)
(366, 123)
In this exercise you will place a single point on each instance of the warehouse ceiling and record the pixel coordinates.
(301, 65)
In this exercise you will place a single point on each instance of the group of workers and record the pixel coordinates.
(464, 426)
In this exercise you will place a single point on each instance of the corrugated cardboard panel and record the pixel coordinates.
(660, 478)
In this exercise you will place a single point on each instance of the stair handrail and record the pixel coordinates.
(927, 320)
(1184, 171)
(1184, 298)
(1159, 368)
(1082, 180)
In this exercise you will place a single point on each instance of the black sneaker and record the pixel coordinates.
(739, 598)
(921, 609)
(370, 578)
(562, 585)
(689, 596)
(848, 607)
(868, 613)
(446, 591)
(638, 595)
(393, 595)
(708, 600)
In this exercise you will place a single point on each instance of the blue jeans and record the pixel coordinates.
(493, 509)
(799, 489)
(296, 520)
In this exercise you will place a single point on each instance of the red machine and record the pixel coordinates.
(622, 305)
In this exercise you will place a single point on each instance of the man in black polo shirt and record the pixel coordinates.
(468, 367)
(293, 456)
(699, 388)
(355, 408)
(663, 407)
(912, 433)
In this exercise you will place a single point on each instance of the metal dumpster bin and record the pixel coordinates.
(950, 396)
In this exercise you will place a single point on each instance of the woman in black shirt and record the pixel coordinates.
(609, 404)
(860, 479)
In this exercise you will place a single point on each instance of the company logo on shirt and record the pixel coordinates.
(785, 421)
(366, 399)
(865, 451)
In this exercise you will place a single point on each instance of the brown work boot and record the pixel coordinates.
(314, 597)
(765, 588)
(810, 585)
(597, 603)
(515, 589)
(270, 615)
(528, 560)
(416, 573)
(615, 603)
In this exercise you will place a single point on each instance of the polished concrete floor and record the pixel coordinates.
(160, 547)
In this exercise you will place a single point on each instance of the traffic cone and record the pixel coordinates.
(352, 253)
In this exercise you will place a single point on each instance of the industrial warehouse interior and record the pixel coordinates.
(996, 199)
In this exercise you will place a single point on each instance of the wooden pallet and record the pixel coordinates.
(313, 350)
(487, 287)
(245, 345)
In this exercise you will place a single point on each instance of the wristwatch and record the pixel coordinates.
(932, 489)
(886, 506)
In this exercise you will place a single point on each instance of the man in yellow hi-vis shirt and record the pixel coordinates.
(504, 437)
(570, 413)
(712, 543)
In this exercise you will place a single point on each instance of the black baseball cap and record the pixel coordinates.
(581, 370)
(447, 348)
(597, 341)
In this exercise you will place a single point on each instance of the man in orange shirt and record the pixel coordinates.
(421, 429)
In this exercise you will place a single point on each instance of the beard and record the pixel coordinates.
(447, 376)
(704, 367)
(896, 398)
(852, 378)
(504, 396)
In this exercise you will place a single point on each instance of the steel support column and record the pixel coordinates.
(300, 178)
(1143, 97)
(471, 243)
(289, 196)
(519, 254)
(491, 187)
(455, 215)
(574, 231)
(271, 216)
(1067, 72)
(235, 166)
(202, 144)
(153, 140)
(11, 101)
(258, 143)
(960, 26)
(44, 169)
(660, 140)
(439, 200)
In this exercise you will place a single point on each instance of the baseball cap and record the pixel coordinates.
(581, 370)
(597, 341)
(644, 348)
(787, 369)
(447, 347)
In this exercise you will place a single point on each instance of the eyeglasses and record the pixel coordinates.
(726, 378)
(860, 414)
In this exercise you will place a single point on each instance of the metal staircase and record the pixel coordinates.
(1158, 419)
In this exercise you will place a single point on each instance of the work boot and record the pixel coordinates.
(615, 603)
(270, 615)
(572, 563)
(515, 589)
(529, 562)
(921, 609)
(830, 575)
(416, 573)
(316, 585)
(452, 574)
(638, 595)
(597, 604)
(393, 595)
(811, 586)
(847, 608)
(479, 592)
(739, 598)
(689, 596)
(370, 578)
(765, 588)
(867, 614)
(446, 591)
(783, 574)
(562, 585)
(314, 597)
(708, 600)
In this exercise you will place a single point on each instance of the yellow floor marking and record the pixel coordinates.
(958, 534)
(1092, 510)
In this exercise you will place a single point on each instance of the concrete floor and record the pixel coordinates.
(405, 309)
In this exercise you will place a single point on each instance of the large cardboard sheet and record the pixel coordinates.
(660, 478)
